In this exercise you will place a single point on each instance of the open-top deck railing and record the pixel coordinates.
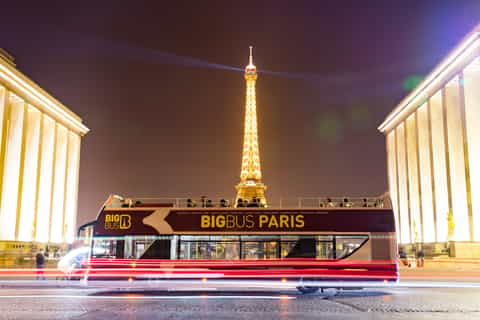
(282, 203)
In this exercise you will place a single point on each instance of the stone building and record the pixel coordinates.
(39, 163)
(433, 154)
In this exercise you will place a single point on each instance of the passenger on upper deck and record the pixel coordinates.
(365, 202)
(253, 203)
(190, 203)
(330, 203)
(223, 203)
(346, 203)
(240, 203)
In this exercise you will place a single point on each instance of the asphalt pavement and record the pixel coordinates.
(59, 300)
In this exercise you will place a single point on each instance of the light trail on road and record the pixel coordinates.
(142, 297)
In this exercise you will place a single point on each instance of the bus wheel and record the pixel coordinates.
(307, 290)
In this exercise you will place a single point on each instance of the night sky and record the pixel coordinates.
(160, 84)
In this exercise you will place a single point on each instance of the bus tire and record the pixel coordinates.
(307, 290)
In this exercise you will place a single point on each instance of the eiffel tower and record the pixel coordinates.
(250, 185)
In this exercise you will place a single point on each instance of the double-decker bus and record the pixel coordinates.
(321, 241)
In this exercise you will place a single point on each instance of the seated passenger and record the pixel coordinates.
(240, 203)
(346, 203)
(365, 202)
(253, 203)
(190, 203)
(223, 203)
(378, 203)
(209, 204)
(330, 203)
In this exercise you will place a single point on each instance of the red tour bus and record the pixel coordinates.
(333, 241)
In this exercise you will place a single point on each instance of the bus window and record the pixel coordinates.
(346, 245)
(209, 250)
(158, 249)
(302, 248)
(140, 245)
(260, 250)
(105, 248)
(325, 250)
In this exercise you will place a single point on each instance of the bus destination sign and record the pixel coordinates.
(176, 221)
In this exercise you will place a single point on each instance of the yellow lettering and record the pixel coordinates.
(262, 220)
(221, 221)
(125, 221)
(273, 222)
(284, 221)
(250, 223)
(240, 221)
(205, 221)
(300, 223)
(230, 221)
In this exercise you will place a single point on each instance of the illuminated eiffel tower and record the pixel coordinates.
(250, 185)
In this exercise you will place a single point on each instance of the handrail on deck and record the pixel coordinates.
(383, 201)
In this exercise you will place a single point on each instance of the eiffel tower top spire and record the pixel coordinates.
(251, 57)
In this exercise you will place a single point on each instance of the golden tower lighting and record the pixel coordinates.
(250, 185)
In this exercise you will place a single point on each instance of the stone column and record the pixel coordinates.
(439, 165)
(393, 177)
(413, 180)
(456, 154)
(425, 174)
(29, 175)
(45, 180)
(471, 83)
(71, 192)
(56, 224)
(403, 185)
(11, 169)
(3, 131)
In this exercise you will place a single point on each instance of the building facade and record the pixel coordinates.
(250, 186)
(39, 162)
(433, 155)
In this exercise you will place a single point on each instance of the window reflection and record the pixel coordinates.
(260, 250)
(209, 250)
(346, 245)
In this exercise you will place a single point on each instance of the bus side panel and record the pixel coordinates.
(383, 246)
(362, 254)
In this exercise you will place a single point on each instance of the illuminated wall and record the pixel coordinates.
(404, 213)
(472, 115)
(392, 175)
(44, 201)
(434, 134)
(413, 180)
(30, 169)
(39, 161)
(15, 111)
(439, 165)
(456, 154)
(426, 180)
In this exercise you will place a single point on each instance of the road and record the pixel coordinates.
(52, 301)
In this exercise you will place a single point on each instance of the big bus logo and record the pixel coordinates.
(118, 221)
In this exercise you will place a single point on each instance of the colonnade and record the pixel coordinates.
(433, 159)
(39, 162)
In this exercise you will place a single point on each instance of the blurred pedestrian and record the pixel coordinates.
(420, 258)
(40, 264)
(403, 257)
